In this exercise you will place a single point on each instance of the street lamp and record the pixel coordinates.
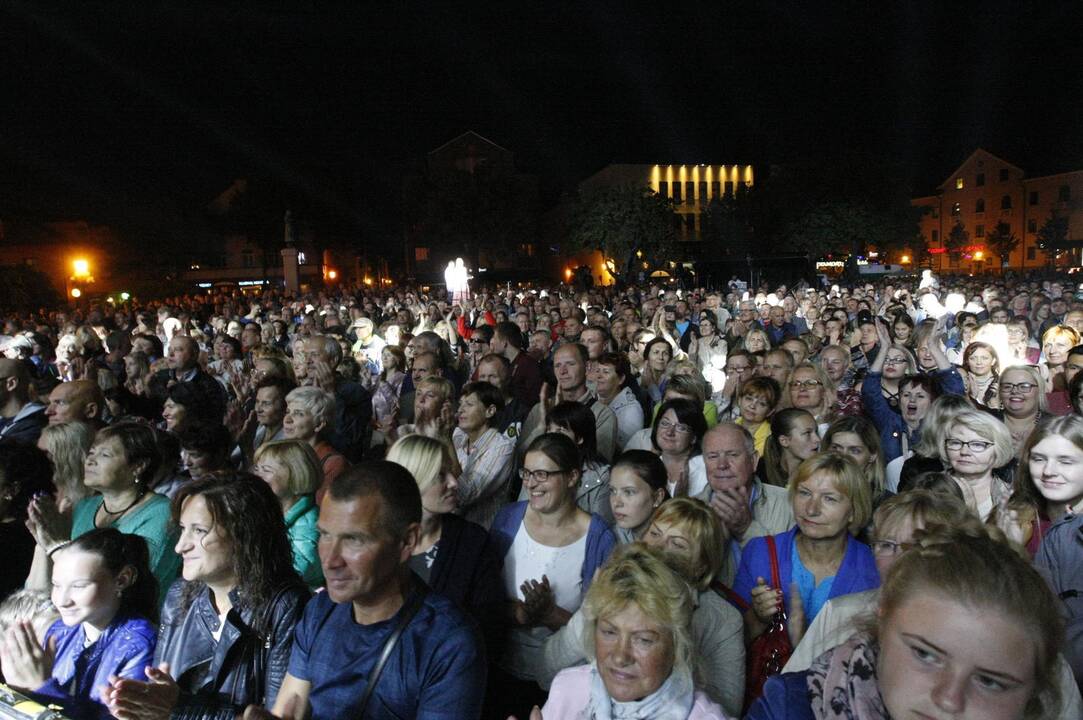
(81, 267)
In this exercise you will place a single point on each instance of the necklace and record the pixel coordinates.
(118, 513)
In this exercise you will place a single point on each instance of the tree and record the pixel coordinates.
(1002, 241)
(850, 227)
(726, 224)
(627, 224)
(957, 238)
(1053, 235)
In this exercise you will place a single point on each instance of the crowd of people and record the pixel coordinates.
(854, 501)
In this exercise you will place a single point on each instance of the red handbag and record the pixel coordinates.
(770, 651)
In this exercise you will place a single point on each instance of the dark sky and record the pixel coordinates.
(140, 112)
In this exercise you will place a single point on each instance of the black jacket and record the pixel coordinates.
(469, 570)
(218, 679)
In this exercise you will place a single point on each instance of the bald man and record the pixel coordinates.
(75, 400)
(20, 419)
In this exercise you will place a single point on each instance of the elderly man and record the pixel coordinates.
(746, 507)
(76, 400)
(321, 354)
(570, 367)
(496, 369)
(20, 420)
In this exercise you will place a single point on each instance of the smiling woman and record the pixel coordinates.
(966, 628)
(638, 618)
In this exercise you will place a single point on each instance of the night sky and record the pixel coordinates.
(140, 113)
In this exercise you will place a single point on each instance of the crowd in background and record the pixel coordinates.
(833, 501)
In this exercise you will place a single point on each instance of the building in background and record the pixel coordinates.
(691, 187)
(986, 191)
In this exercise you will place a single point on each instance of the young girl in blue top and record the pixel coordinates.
(107, 598)
(819, 558)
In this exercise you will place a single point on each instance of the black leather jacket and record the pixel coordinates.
(219, 679)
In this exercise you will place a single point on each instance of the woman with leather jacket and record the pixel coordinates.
(227, 626)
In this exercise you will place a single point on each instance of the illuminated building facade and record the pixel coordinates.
(985, 191)
(691, 187)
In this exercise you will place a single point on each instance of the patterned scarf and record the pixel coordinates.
(672, 701)
(842, 682)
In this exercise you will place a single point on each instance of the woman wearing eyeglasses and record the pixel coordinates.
(1022, 397)
(809, 388)
(901, 431)
(551, 549)
(975, 444)
(894, 525)
(675, 437)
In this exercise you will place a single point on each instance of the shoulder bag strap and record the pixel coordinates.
(776, 578)
(389, 645)
(728, 593)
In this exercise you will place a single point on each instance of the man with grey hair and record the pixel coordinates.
(321, 354)
(20, 419)
(747, 507)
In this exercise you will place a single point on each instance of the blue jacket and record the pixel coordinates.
(785, 697)
(856, 573)
(600, 540)
(124, 649)
(891, 425)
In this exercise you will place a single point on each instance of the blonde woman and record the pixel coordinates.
(292, 470)
(67, 445)
(976, 443)
(809, 388)
(454, 556)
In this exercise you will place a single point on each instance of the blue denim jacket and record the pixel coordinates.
(79, 673)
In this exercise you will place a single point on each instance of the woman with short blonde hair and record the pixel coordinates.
(975, 444)
(67, 445)
(636, 596)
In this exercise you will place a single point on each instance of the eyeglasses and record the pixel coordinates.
(738, 370)
(540, 475)
(804, 384)
(895, 361)
(889, 548)
(680, 428)
(971, 445)
(1023, 387)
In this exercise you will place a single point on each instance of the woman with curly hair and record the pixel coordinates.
(227, 625)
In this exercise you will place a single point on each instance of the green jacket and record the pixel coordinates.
(301, 530)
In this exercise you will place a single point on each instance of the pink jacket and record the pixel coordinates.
(569, 697)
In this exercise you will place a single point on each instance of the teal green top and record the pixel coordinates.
(301, 530)
(151, 522)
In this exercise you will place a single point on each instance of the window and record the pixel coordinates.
(421, 254)
(979, 231)
(729, 187)
(689, 192)
(979, 179)
(959, 183)
(248, 258)
(1064, 194)
(1003, 174)
(936, 236)
(677, 192)
(979, 205)
(1030, 253)
(1006, 202)
(526, 249)
(703, 191)
(953, 260)
(1032, 225)
(663, 188)
(1033, 197)
(716, 189)
(956, 209)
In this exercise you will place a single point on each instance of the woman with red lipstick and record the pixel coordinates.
(809, 388)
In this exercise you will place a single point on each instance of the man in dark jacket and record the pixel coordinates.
(20, 419)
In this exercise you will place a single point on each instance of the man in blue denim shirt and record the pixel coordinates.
(369, 525)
